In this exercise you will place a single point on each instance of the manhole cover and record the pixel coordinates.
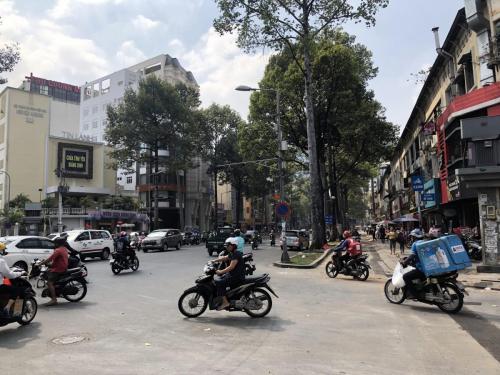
(69, 339)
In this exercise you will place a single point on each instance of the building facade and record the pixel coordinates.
(450, 140)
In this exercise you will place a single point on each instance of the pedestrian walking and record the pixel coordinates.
(392, 236)
(382, 233)
(400, 239)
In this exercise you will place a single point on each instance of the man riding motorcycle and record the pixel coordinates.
(415, 274)
(122, 246)
(58, 265)
(351, 250)
(233, 274)
(7, 290)
(241, 241)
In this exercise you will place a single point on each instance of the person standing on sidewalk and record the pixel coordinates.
(400, 239)
(392, 236)
(382, 233)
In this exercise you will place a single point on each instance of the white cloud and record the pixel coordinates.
(66, 8)
(144, 23)
(129, 54)
(219, 66)
(47, 50)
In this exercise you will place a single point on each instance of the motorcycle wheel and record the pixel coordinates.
(265, 298)
(457, 299)
(189, 304)
(363, 273)
(30, 309)
(82, 290)
(331, 269)
(393, 294)
(135, 264)
(116, 269)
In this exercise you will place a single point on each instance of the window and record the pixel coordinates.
(94, 124)
(104, 235)
(87, 93)
(29, 243)
(46, 244)
(105, 86)
(86, 126)
(152, 69)
(95, 235)
(44, 90)
(84, 236)
(85, 112)
(96, 89)
(119, 179)
(129, 179)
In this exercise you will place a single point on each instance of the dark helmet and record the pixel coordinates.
(237, 232)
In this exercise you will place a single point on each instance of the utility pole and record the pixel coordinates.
(60, 190)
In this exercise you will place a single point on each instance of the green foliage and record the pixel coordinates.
(124, 203)
(72, 202)
(12, 215)
(88, 202)
(19, 201)
(159, 116)
(9, 57)
(49, 202)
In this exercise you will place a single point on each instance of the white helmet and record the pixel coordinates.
(417, 233)
(232, 241)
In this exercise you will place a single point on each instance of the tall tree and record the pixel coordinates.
(352, 133)
(9, 57)
(294, 24)
(158, 118)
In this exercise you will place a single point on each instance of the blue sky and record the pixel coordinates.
(79, 40)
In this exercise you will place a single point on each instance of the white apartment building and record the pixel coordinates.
(97, 95)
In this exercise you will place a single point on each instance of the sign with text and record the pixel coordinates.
(75, 160)
(417, 183)
(427, 197)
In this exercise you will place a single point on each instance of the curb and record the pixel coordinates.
(314, 264)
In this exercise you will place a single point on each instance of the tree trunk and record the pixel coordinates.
(216, 209)
(317, 215)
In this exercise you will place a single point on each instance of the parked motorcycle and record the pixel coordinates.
(357, 267)
(251, 296)
(444, 291)
(71, 286)
(473, 248)
(29, 305)
(122, 262)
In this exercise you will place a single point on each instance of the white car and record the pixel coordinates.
(90, 243)
(22, 250)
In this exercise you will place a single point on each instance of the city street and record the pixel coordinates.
(131, 325)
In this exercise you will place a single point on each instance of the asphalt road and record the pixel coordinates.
(131, 325)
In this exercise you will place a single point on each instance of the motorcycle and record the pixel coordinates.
(71, 286)
(473, 248)
(356, 267)
(74, 261)
(444, 291)
(255, 243)
(122, 262)
(251, 296)
(27, 299)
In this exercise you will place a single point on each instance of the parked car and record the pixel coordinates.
(53, 235)
(22, 250)
(90, 243)
(296, 239)
(162, 239)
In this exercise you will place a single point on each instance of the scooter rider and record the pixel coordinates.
(232, 275)
(415, 274)
(59, 265)
(122, 246)
(349, 245)
(5, 288)
(241, 241)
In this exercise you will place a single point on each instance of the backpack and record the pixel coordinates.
(401, 237)
(120, 245)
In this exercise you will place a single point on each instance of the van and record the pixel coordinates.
(90, 243)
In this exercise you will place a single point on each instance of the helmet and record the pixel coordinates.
(123, 234)
(417, 233)
(231, 241)
(237, 232)
(2, 246)
(346, 234)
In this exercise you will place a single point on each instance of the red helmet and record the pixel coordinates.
(346, 234)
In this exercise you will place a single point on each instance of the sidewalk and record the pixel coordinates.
(469, 276)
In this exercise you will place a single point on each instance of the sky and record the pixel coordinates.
(75, 41)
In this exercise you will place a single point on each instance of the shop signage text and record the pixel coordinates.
(58, 85)
(79, 137)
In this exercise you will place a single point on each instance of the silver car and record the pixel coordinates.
(162, 239)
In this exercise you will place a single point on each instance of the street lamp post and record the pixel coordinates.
(284, 254)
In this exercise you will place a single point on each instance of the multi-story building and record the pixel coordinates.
(183, 195)
(451, 138)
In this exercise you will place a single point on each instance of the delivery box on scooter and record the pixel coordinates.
(442, 255)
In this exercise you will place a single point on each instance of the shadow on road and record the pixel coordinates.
(17, 337)
(68, 306)
(272, 323)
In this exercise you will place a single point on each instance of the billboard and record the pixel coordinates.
(76, 160)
